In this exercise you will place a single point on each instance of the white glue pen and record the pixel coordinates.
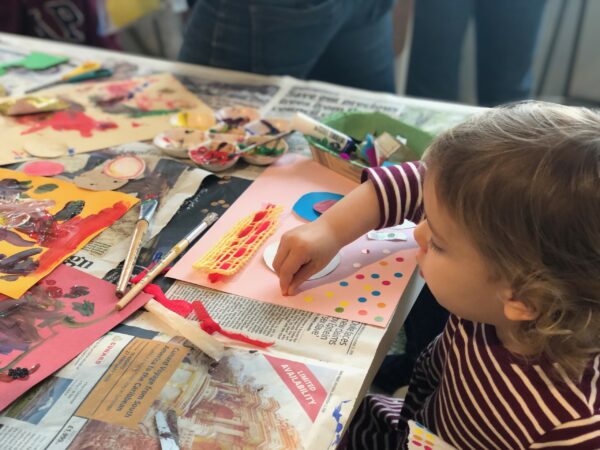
(330, 138)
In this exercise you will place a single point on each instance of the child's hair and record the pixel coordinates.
(524, 182)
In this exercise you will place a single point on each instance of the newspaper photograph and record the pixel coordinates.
(108, 397)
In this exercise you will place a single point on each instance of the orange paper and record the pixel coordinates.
(43, 221)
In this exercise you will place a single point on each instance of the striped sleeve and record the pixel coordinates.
(399, 192)
(581, 434)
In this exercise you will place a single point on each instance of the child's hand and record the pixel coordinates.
(303, 251)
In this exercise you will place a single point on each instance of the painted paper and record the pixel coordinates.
(100, 115)
(53, 322)
(366, 286)
(43, 221)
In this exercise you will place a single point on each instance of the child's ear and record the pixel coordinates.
(517, 310)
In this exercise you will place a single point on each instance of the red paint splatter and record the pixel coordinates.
(65, 237)
(65, 121)
(121, 88)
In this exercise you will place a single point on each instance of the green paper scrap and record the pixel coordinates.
(35, 61)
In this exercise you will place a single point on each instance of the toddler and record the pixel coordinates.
(508, 205)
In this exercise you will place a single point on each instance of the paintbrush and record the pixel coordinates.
(275, 137)
(147, 210)
(179, 248)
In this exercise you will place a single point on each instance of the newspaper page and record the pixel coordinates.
(318, 100)
(109, 395)
(301, 333)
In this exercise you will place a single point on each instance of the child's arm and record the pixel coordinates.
(306, 249)
(391, 195)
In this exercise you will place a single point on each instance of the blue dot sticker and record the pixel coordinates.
(398, 275)
(343, 283)
(376, 293)
(375, 275)
(362, 299)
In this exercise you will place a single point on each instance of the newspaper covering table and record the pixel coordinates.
(299, 393)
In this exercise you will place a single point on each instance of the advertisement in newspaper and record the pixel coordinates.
(108, 398)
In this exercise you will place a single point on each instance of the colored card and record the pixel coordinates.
(420, 438)
(365, 287)
(100, 115)
(45, 220)
(53, 322)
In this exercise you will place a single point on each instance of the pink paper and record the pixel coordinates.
(366, 286)
(59, 317)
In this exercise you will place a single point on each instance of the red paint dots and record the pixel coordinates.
(360, 276)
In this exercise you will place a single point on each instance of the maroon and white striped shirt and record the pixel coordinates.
(466, 387)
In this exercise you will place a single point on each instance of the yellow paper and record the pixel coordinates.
(43, 221)
(123, 13)
(100, 115)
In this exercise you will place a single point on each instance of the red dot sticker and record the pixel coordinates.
(399, 259)
(360, 276)
(362, 312)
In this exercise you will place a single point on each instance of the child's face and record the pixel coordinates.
(453, 268)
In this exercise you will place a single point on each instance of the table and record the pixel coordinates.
(279, 97)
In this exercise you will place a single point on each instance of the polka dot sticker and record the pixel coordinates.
(329, 294)
(376, 293)
(308, 299)
(367, 287)
(357, 265)
(383, 263)
(360, 276)
(362, 299)
(339, 309)
(378, 319)
(375, 275)
(386, 282)
(381, 305)
(344, 304)
(343, 283)
(399, 259)
(398, 274)
(362, 312)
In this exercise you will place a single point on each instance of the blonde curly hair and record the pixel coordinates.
(524, 181)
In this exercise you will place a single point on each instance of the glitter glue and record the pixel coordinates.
(330, 138)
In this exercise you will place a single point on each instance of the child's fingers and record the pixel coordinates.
(280, 256)
(292, 263)
(303, 274)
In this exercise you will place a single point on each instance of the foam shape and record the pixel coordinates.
(271, 251)
(43, 168)
(304, 207)
(97, 180)
(125, 167)
(42, 148)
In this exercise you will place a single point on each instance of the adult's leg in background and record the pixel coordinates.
(280, 37)
(439, 28)
(507, 35)
(361, 53)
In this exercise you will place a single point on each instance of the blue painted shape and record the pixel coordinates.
(304, 206)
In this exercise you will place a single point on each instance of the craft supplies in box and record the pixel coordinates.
(377, 138)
